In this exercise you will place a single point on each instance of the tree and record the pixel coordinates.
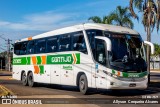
(157, 50)
(104, 20)
(151, 17)
(157, 53)
(121, 17)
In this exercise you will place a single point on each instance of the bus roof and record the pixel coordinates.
(86, 26)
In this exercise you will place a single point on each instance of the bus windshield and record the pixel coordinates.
(127, 52)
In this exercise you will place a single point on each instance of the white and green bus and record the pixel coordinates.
(87, 55)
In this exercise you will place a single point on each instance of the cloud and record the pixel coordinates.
(66, 15)
(42, 21)
(37, 23)
(3, 23)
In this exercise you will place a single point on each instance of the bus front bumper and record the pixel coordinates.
(118, 84)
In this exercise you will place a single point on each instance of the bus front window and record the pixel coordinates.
(127, 53)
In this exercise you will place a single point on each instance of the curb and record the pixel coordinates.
(155, 71)
(155, 80)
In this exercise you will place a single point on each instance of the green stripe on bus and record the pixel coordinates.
(39, 60)
(125, 74)
(51, 59)
(113, 71)
(136, 75)
(20, 61)
(28, 61)
(78, 58)
(131, 75)
(41, 67)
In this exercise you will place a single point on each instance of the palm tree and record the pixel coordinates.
(151, 17)
(104, 20)
(122, 17)
(137, 4)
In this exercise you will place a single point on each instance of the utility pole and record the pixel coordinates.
(1, 64)
(8, 53)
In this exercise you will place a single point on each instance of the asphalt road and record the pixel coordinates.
(61, 91)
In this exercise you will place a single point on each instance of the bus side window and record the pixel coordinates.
(17, 48)
(79, 42)
(24, 48)
(30, 47)
(20, 48)
(52, 44)
(40, 46)
(65, 43)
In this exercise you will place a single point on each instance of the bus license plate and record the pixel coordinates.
(132, 85)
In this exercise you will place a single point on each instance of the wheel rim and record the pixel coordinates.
(24, 78)
(30, 79)
(82, 84)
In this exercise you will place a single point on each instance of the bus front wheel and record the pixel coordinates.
(83, 84)
(24, 79)
(31, 82)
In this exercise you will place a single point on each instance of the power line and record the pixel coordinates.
(2, 48)
(2, 37)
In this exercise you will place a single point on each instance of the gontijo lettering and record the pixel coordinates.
(64, 59)
(61, 59)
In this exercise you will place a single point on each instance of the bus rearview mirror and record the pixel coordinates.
(107, 40)
(151, 45)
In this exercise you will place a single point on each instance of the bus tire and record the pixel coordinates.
(31, 82)
(24, 79)
(83, 84)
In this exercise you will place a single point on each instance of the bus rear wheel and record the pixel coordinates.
(24, 79)
(83, 84)
(31, 82)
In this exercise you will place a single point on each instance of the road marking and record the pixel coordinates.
(5, 91)
(155, 71)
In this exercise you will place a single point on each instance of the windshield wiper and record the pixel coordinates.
(124, 60)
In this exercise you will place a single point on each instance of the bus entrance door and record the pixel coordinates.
(100, 57)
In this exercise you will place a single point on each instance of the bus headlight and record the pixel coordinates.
(115, 76)
(146, 76)
(112, 75)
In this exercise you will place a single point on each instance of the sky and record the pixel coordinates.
(24, 18)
